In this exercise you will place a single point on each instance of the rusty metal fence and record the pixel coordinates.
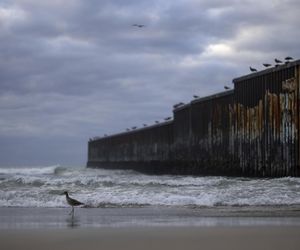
(266, 114)
(252, 130)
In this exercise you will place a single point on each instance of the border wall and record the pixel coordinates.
(252, 130)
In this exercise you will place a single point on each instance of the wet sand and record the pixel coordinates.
(54, 218)
(151, 228)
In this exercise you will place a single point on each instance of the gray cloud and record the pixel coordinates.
(76, 69)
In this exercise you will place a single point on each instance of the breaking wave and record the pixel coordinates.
(43, 186)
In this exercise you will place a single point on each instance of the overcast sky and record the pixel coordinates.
(75, 69)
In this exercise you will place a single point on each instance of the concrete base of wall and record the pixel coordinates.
(169, 168)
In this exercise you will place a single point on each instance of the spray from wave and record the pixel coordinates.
(43, 186)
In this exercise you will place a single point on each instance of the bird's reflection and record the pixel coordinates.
(73, 221)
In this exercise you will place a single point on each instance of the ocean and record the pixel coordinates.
(98, 188)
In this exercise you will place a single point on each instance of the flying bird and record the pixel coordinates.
(156, 122)
(127, 129)
(226, 87)
(267, 65)
(277, 60)
(72, 202)
(145, 125)
(253, 69)
(168, 118)
(195, 96)
(138, 25)
(133, 127)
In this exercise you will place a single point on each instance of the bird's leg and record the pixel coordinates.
(71, 211)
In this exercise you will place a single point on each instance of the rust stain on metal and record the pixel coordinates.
(289, 85)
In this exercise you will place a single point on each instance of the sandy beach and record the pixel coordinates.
(151, 228)
(154, 238)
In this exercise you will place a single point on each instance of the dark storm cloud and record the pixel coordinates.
(74, 69)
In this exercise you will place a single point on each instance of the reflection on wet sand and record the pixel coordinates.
(30, 218)
(73, 221)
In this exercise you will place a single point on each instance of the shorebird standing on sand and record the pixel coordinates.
(72, 202)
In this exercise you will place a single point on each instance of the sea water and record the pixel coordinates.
(43, 187)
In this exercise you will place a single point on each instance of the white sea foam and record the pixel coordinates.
(42, 187)
(29, 170)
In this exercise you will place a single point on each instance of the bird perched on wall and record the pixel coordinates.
(252, 69)
(267, 65)
(277, 60)
(72, 202)
(289, 58)
(178, 105)
(138, 25)
(195, 96)
(226, 87)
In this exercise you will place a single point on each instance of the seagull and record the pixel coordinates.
(72, 202)
(277, 61)
(178, 105)
(168, 118)
(226, 87)
(133, 127)
(253, 69)
(195, 96)
(138, 25)
(288, 59)
(267, 65)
